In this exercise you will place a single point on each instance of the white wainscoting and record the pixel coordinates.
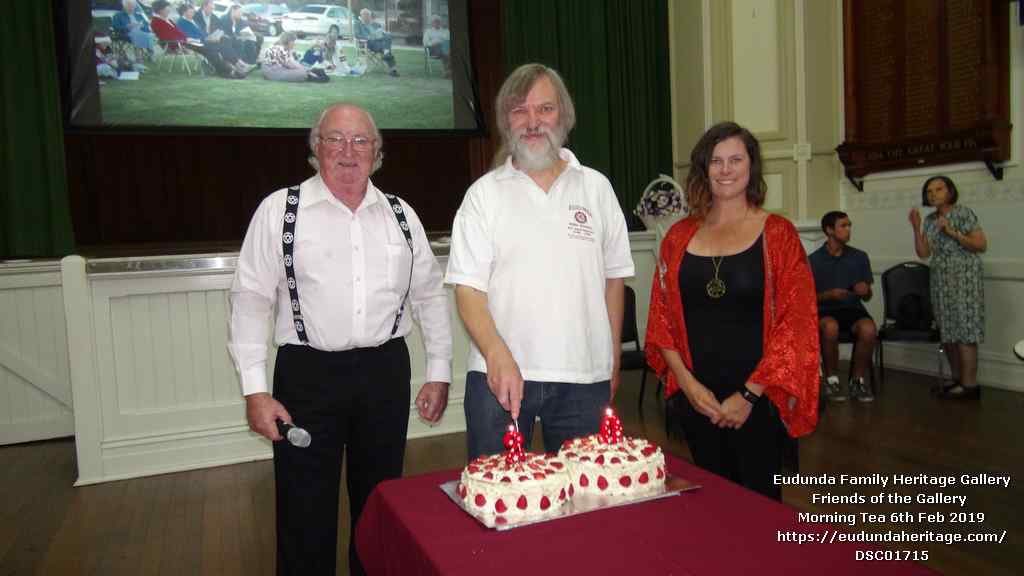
(35, 389)
(154, 387)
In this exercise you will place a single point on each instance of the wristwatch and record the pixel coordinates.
(749, 396)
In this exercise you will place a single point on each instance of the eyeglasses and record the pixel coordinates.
(357, 143)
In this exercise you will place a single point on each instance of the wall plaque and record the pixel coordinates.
(926, 82)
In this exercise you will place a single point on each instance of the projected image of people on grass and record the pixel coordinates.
(378, 56)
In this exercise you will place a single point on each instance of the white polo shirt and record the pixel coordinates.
(542, 258)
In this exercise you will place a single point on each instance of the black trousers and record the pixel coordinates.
(750, 456)
(353, 403)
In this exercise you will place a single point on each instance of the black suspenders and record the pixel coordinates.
(288, 247)
(291, 210)
(396, 209)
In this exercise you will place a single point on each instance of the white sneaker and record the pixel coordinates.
(833, 390)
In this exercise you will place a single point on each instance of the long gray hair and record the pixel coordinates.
(514, 91)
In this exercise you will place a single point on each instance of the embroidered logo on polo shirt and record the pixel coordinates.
(579, 223)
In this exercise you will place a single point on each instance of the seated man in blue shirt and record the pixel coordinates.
(376, 38)
(842, 279)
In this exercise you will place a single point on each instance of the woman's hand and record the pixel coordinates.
(921, 246)
(915, 219)
(703, 400)
(947, 227)
(735, 411)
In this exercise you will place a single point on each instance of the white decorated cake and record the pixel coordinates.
(611, 464)
(629, 467)
(501, 492)
(517, 486)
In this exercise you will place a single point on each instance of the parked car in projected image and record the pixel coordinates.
(265, 18)
(221, 8)
(318, 19)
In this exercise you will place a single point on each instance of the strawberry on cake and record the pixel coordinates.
(500, 492)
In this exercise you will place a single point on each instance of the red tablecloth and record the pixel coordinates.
(409, 526)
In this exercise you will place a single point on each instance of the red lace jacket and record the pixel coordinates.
(789, 365)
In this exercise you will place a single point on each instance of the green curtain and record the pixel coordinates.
(35, 220)
(613, 55)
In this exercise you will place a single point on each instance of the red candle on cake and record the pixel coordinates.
(513, 442)
(611, 428)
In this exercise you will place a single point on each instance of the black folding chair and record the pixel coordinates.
(907, 305)
(633, 359)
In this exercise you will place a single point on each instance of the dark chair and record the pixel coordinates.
(122, 44)
(177, 51)
(371, 58)
(633, 359)
(907, 305)
(428, 57)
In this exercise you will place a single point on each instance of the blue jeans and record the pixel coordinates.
(566, 411)
(382, 46)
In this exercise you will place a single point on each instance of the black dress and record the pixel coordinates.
(725, 340)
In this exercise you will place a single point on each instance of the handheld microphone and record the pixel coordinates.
(296, 436)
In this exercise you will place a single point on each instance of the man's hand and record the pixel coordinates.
(505, 380)
(616, 381)
(503, 376)
(837, 294)
(862, 289)
(263, 412)
(432, 400)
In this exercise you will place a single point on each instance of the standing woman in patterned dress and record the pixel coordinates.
(953, 239)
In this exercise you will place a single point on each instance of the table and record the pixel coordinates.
(409, 526)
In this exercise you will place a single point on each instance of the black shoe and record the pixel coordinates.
(394, 72)
(959, 392)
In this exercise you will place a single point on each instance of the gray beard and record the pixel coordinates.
(529, 161)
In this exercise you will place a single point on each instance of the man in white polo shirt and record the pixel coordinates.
(538, 257)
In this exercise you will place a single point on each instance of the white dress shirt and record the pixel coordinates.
(432, 36)
(352, 270)
(543, 259)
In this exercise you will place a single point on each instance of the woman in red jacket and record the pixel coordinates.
(174, 39)
(733, 317)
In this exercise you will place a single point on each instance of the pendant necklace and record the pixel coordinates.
(715, 286)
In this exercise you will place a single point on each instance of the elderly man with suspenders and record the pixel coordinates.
(349, 269)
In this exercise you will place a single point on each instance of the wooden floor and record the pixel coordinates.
(220, 521)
